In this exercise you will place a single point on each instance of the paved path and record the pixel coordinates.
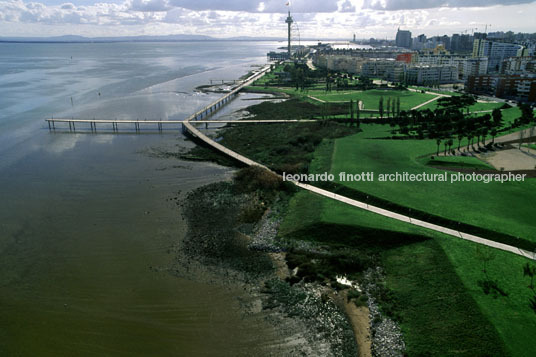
(360, 204)
(427, 102)
(515, 136)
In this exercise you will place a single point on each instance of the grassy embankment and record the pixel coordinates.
(442, 309)
(503, 207)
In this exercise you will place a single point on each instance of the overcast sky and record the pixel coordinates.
(315, 18)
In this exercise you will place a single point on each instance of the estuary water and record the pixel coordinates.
(87, 221)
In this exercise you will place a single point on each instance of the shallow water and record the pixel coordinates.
(88, 221)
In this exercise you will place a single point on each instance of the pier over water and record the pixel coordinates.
(197, 116)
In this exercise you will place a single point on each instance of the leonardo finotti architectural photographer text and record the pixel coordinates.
(407, 177)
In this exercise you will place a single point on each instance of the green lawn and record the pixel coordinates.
(476, 203)
(477, 107)
(370, 98)
(443, 310)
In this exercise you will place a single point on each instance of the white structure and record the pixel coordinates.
(496, 52)
(430, 75)
(388, 69)
(475, 66)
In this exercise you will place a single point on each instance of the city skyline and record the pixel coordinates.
(333, 19)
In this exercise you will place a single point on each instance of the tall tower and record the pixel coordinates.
(289, 21)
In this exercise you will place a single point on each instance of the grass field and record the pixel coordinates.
(443, 310)
(370, 98)
(485, 205)
(473, 108)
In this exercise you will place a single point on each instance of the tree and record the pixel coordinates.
(493, 133)
(497, 116)
(351, 109)
(530, 271)
(393, 108)
(398, 106)
(380, 107)
(469, 140)
(450, 142)
(438, 142)
(445, 144)
(388, 106)
(485, 255)
(484, 134)
(357, 110)
(460, 137)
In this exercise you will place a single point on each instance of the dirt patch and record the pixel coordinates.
(510, 159)
(359, 318)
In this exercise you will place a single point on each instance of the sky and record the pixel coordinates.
(315, 19)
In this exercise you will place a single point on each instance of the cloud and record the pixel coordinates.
(346, 6)
(67, 6)
(267, 6)
(391, 5)
(149, 5)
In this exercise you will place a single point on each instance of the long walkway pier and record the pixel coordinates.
(159, 123)
(363, 205)
(197, 116)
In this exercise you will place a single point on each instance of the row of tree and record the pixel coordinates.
(392, 109)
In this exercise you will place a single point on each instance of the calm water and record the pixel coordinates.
(85, 220)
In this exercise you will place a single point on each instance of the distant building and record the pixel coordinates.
(419, 42)
(519, 65)
(522, 88)
(405, 57)
(475, 66)
(431, 75)
(403, 38)
(277, 56)
(496, 52)
(387, 69)
(344, 63)
(461, 43)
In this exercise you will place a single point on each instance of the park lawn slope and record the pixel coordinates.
(438, 316)
(476, 203)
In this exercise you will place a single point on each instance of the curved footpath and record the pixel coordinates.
(195, 132)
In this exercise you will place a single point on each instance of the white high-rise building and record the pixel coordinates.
(496, 52)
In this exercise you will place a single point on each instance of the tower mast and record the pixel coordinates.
(289, 21)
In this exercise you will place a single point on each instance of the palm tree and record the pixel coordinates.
(445, 144)
(438, 142)
(460, 137)
(450, 142)
(493, 132)
(484, 134)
